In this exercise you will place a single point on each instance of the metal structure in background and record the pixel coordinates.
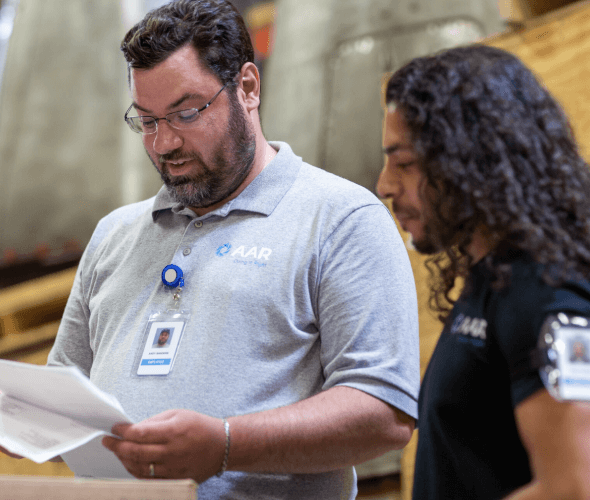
(323, 80)
(7, 15)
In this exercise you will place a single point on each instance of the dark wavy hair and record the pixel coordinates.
(215, 29)
(499, 153)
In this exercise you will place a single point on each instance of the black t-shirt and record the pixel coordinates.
(468, 444)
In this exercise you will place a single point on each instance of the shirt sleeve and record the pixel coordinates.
(72, 344)
(520, 313)
(367, 308)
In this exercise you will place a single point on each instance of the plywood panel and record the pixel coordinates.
(557, 48)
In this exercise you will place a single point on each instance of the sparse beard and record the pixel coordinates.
(426, 244)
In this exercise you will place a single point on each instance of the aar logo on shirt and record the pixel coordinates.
(245, 255)
(470, 329)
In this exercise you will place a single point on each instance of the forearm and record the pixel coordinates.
(556, 436)
(529, 492)
(336, 428)
(535, 491)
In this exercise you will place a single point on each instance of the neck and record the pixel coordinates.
(481, 244)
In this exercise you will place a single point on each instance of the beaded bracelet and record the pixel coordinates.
(226, 455)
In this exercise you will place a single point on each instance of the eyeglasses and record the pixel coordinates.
(181, 120)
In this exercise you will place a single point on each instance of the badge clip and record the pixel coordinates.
(173, 277)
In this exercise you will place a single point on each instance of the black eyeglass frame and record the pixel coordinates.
(128, 119)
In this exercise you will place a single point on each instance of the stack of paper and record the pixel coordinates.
(50, 411)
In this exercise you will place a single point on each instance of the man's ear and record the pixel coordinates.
(249, 84)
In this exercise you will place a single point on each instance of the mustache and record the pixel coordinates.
(177, 154)
(405, 211)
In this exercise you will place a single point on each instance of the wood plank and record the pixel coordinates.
(557, 48)
(17, 345)
(35, 302)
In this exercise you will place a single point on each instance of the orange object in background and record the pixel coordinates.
(260, 19)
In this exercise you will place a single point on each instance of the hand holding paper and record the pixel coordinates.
(181, 444)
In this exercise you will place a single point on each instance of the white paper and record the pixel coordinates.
(94, 460)
(49, 411)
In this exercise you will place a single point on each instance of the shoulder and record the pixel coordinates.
(315, 184)
(329, 194)
(345, 208)
(335, 188)
(126, 215)
(529, 287)
(328, 202)
(120, 221)
(525, 302)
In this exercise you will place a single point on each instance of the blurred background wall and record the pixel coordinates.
(67, 158)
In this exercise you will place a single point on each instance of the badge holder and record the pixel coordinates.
(563, 356)
(164, 329)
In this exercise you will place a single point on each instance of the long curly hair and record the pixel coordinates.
(499, 153)
(215, 29)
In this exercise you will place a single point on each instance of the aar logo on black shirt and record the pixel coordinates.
(470, 329)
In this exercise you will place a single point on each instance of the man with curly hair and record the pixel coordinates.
(483, 171)
(300, 355)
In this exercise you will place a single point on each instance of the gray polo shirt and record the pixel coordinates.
(299, 284)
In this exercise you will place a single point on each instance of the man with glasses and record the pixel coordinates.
(298, 356)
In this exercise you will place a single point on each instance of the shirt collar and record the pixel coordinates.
(262, 195)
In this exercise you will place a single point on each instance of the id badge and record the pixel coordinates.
(164, 329)
(564, 344)
(161, 340)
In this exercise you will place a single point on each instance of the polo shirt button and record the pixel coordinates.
(186, 251)
(199, 224)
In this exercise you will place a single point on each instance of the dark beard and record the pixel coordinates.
(232, 163)
(425, 246)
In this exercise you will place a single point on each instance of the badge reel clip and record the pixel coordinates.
(173, 278)
(164, 329)
(563, 356)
